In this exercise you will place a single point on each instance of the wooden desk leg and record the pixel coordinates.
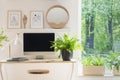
(72, 71)
(1, 72)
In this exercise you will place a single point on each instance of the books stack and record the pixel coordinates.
(18, 59)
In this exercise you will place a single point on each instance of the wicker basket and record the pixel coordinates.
(93, 70)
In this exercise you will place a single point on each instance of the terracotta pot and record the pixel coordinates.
(93, 70)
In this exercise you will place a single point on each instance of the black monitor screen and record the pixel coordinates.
(37, 42)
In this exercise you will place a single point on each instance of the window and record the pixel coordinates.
(101, 26)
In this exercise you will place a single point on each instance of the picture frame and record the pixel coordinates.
(14, 19)
(36, 19)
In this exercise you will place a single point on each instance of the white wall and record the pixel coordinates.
(73, 26)
(25, 6)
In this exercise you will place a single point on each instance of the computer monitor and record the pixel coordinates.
(38, 43)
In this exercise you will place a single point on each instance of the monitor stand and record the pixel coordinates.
(39, 57)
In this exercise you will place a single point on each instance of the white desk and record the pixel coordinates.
(59, 70)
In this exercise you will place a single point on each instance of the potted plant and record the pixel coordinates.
(93, 65)
(3, 37)
(66, 45)
(113, 63)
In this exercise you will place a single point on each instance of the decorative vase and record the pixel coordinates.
(66, 55)
(24, 21)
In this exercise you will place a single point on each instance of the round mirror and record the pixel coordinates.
(57, 16)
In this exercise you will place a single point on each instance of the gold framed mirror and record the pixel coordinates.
(57, 16)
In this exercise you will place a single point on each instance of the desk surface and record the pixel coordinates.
(39, 61)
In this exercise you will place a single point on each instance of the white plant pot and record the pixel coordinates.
(93, 70)
(116, 72)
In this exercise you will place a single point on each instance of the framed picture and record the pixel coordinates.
(36, 19)
(14, 19)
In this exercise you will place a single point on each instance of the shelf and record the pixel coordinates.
(105, 76)
(38, 30)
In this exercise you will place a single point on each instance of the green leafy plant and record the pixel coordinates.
(3, 37)
(93, 60)
(66, 43)
(113, 60)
